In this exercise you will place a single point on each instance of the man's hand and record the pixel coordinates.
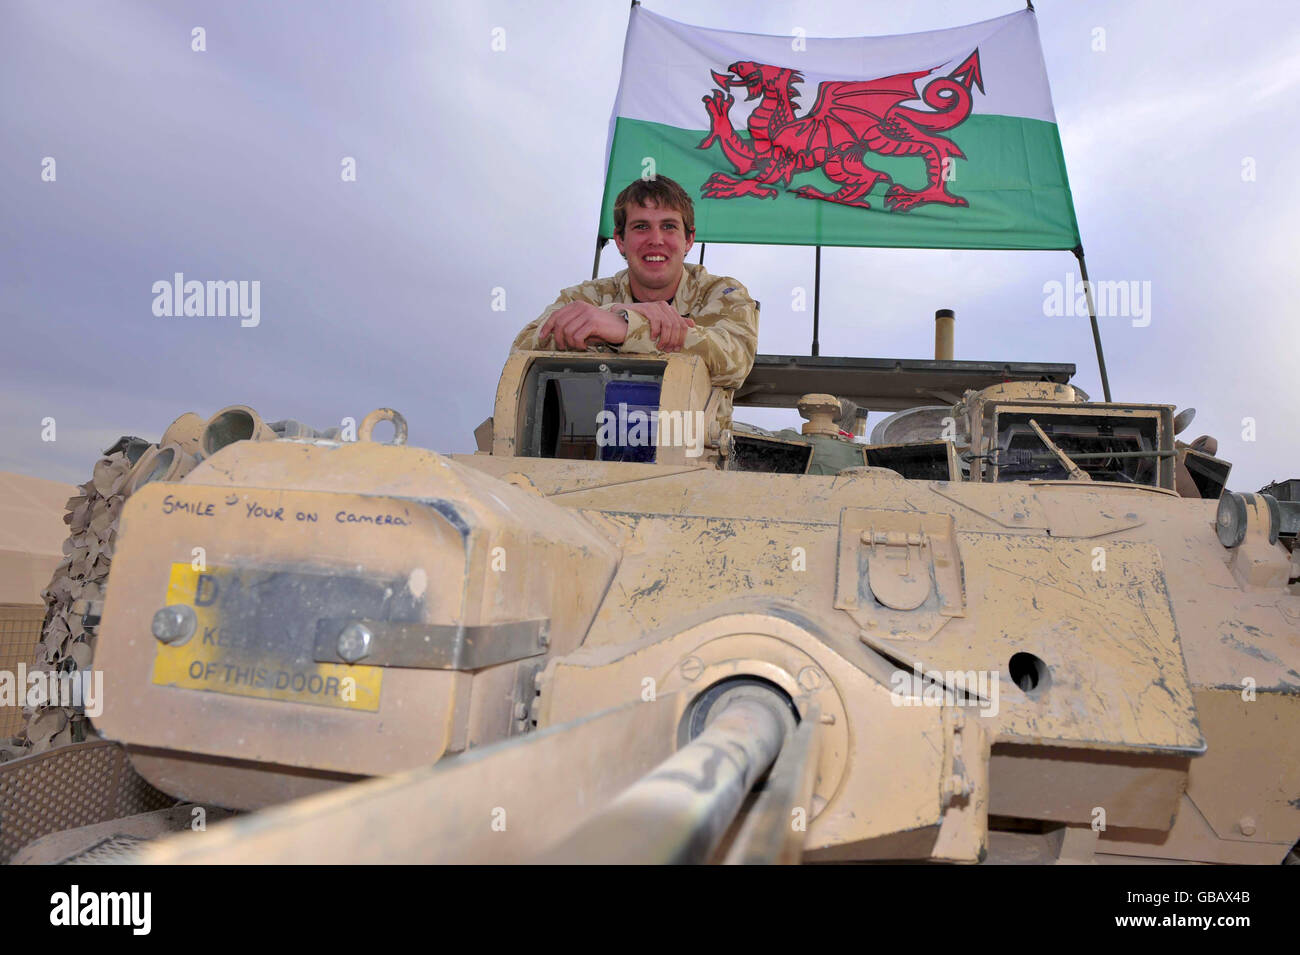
(578, 322)
(667, 328)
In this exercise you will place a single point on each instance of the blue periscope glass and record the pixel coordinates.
(632, 420)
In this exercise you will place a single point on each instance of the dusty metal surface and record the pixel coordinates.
(468, 809)
(117, 841)
(956, 654)
(223, 686)
(68, 787)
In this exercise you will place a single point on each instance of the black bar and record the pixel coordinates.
(702, 245)
(595, 265)
(817, 301)
(1092, 315)
(1101, 896)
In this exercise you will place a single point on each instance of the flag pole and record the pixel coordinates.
(702, 245)
(1092, 315)
(600, 242)
(817, 301)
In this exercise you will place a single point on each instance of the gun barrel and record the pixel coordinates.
(680, 811)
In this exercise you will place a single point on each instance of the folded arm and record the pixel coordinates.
(723, 331)
(726, 337)
(532, 339)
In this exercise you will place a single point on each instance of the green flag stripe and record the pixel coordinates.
(1013, 177)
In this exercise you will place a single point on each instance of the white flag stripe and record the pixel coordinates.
(666, 65)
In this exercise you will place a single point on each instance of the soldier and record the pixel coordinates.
(658, 303)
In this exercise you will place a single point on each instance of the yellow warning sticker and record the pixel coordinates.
(260, 655)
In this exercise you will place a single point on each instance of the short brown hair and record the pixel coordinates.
(660, 193)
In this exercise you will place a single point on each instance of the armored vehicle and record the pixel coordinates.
(1017, 625)
(1014, 625)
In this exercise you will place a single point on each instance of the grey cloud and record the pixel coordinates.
(479, 170)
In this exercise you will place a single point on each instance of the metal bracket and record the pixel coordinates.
(524, 699)
(430, 646)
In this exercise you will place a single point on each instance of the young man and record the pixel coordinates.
(658, 303)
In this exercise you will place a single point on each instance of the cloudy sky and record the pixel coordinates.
(480, 169)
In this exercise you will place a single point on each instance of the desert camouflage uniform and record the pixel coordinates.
(726, 321)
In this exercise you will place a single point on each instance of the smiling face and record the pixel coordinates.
(655, 243)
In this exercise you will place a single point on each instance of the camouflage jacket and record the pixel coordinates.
(726, 321)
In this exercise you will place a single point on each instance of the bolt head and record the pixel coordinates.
(174, 624)
(355, 641)
(809, 679)
(1247, 825)
(692, 667)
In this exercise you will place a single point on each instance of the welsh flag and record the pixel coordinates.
(944, 139)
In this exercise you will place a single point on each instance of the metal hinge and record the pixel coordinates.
(898, 562)
(897, 579)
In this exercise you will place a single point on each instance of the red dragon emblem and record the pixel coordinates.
(848, 120)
